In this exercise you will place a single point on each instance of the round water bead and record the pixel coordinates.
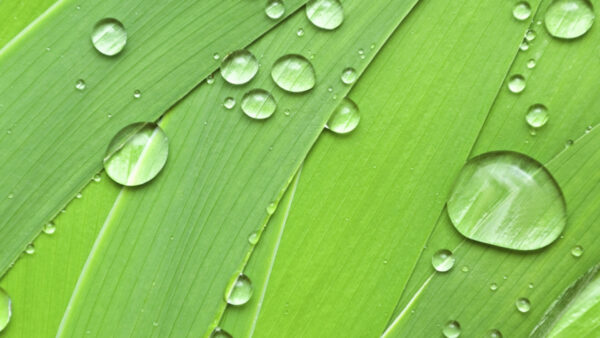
(293, 73)
(345, 117)
(442, 260)
(569, 19)
(258, 104)
(451, 329)
(239, 67)
(537, 116)
(325, 14)
(241, 291)
(109, 36)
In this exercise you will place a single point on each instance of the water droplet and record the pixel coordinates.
(220, 333)
(80, 84)
(530, 35)
(569, 143)
(530, 285)
(524, 45)
(10, 196)
(49, 228)
(229, 102)
(239, 67)
(30, 249)
(210, 79)
(495, 333)
(109, 36)
(537, 116)
(275, 10)
(216, 56)
(253, 238)
(509, 200)
(523, 305)
(258, 104)
(344, 118)
(271, 208)
(442, 260)
(78, 196)
(96, 178)
(137, 94)
(522, 11)
(493, 286)
(451, 329)
(300, 32)
(465, 269)
(531, 63)
(505, 277)
(325, 14)
(577, 251)
(516, 84)
(5, 309)
(349, 76)
(136, 154)
(293, 73)
(240, 292)
(569, 19)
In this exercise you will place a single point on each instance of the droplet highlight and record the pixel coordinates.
(239, 67)
(443, 260)
(537, 116)
(109, 36)
(325, 14)
(241, 291)
(293, 73)
(569, 19)
(258, 104)
(345, 117)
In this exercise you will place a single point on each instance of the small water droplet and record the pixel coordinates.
(495, 333)
(229, 102)
(109, 36)
(530, 285)
(80, 84)
(300, 32)
(287, 112)
(522, 11)
(275, 9)
(537, 116)
(325, 14)
(240, 292)
(516, 84)
(49, 228)
(531, 63)
(588, 129)
(136, 154)
(349, 76)
(5, 309)
(137, 94)
(465, 269)
(78, 196)
(239, 67)
(293, 73)
(30, 249)
(443, 260)
(505, 277)
(577, 251)
(10, 196)
(258, 104)
(524, 45)
(271, 208)
(493, 286)
(253, 238)
(530, 35)
(523, 305)
(569, 143)
(344, 118)
(109, 115)
(220, 333)
(210, 79)
(216, 56)
(451, 329)
(569, 19)
(96, 178)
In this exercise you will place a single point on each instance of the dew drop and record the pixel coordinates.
(220, 333)
(577, 251)
(253, 238)
(516, 84)
(78, 196)
(10, 196)
(109, 36)
(524, 45)
(240, 292)
(465, 269)
(344, 118)
(531, 64)
(349, 76)
(30, 249)
(136, 154)
(495, 333)
(300, 32)
(569, 19)
(493, 286)
(523, 305)
(210, 79)
(530, 35)
(5, 309)
(49, 228)
(80, 85)
(325, 14)
(451, 329)
(96, 178)
(229, 102)
(293, 73)
(508, 200)
(216, 56)
(530, 285)
(537, 116)
(522, 11)
(271, 208)
(258, 104)
(239, 67)
(275, 9)
(442, 260)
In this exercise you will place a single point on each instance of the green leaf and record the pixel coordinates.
(17, 15)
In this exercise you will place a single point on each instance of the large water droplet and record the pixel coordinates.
(577, 251)
(258, 104)
(5, 309)
(509, 200)
(451, 329)
(240, 292)
(220, 333)
(537, 116)
(239, 67)
(325, 14)
(345, 117)
(442, 260)
(293, 73)
(523, 305)
(275, 9)
(522, 11)
(569, 19)
(136, 154)
(516, 83)
(109, 36)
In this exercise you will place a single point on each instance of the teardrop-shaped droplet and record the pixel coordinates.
(253, 238)
(537, 116)
(509, 200)
(345, 117)
(325, 14)
(569, 19)
(442, 260)
(109, 36)
(258, 104)
(516, 83)
(239, 67)
(5, 309)
(220, 333)
(275, 9)
(451, 329)
(293, 73)
(349, 76)
(523, 305)
(241, 291)
(522, 11)
(136, 154)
